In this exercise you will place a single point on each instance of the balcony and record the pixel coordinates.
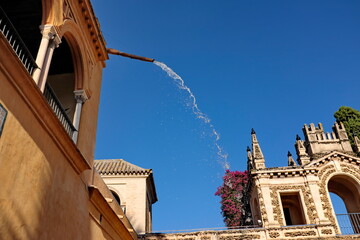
(15, 41)
(349, 223)
(20, 49)
(59, 110)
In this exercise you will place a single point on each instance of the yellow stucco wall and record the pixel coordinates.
(46, 181)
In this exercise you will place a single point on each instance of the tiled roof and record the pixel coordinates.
(118, 167)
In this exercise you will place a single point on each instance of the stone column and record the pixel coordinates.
(46, 36)
(50, 40)
(80, 97)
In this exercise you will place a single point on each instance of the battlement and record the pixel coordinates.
(313, 133)
(318, 141)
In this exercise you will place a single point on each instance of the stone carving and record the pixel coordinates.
(323, 176)
(205, 238)
(262, 207)
(276, 205)
(257, 152)
(352, 170)
(324, 169)
(326, 231)
(300, 234)
(309, 204)
(274, 234)
(240, 237)
(67, 11)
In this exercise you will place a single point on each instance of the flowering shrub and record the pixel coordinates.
(231, 193)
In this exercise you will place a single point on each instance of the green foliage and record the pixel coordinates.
(351, 120)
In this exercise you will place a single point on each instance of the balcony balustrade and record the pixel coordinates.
(59, 110)
(349, 223)
(15, 41)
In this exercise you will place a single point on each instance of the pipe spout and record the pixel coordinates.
(116, 52)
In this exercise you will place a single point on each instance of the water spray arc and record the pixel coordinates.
(198, 113)
(180, 83)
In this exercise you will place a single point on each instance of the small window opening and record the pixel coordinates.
(292, 208)
(117, 198)
(287, 216)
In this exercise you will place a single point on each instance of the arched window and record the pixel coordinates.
(348, 190)
(116, 196)
(61, 78)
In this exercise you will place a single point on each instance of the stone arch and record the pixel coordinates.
(116, 196)
(71, 32)
(347, 187)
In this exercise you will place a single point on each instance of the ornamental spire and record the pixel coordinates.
(258, 157)
(291, 161)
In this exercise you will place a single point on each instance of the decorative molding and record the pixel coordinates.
(81, 96)
(240, 237)
(49, 32)
(67, 11)
(276, 205)
(93, 28)
(350, 169)
(205, 238)
(274, 234)
(262, 207)
(323, 176)
(308, 204)
(326, 231)
(300, 234)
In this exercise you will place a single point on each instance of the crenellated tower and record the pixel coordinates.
(318, 142)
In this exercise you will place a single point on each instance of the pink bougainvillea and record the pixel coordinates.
(231, 193)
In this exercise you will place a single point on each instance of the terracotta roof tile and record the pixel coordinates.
(118, 167)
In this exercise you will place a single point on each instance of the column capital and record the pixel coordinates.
(81, 96)
(49, 32)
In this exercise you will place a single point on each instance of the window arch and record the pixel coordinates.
(61, 77)
(348, 189)
(66, 77)
(116, 196)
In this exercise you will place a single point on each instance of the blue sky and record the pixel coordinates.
(268, 65)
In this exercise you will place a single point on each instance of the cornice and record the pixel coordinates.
(93, 28)
(311, 168)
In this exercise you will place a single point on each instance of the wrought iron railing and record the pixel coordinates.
(15, 41)
(59, 110)
(349, 223)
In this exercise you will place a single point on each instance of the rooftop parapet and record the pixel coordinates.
(317, 141)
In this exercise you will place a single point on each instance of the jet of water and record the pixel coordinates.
(198, 113)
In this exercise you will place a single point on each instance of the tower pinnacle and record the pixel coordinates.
(258, 157)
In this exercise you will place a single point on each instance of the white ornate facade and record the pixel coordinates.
(293, 202)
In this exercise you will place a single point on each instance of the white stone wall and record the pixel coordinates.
(132, 192)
